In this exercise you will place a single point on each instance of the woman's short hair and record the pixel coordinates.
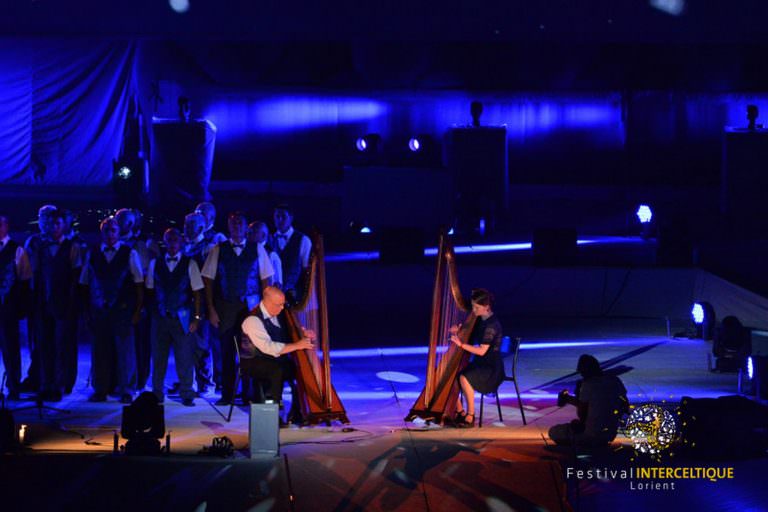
(482, 296)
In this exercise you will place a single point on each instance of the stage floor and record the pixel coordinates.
(378, 461)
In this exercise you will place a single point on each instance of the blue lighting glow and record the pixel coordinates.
(450, 231)
(361, 145)
(397, 377)
(240, 116)
(180, 6)
(365, 230)
(698, 313)
(414, 144)
(750, 368)
(479, 249)
(644, 214)
(672, 7)
(422, 350)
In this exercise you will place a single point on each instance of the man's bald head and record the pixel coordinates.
(273, 300)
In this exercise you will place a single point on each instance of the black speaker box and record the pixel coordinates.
(401, 245)
(727, 426)
(554, 246)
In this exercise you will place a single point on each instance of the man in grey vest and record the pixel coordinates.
(31, 246)
(112, 272)
(57, 267)
(15, 274)
(235, 272)
(207, 353)
(262, 358)
(176, 280)
(293, 247)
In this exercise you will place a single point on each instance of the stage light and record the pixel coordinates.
(143, 425)
(644, 214)
(703, 315)
(368, 143)
(450, 231)
(414, 144)
(697, 313)
(750, 368)
(180, 6)
(124, 173)
(365, 230)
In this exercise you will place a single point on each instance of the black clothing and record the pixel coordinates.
(486, 372)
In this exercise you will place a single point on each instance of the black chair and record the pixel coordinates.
(731, 347)
(239, 377)
(508, 347)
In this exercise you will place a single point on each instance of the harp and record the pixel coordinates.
(445, 360)
(318, 400)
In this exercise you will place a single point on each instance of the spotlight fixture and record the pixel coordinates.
(368, 143)
(365, 230)
(703, 315)
(124, 172)
(644, 214)
(143, 425)
(423, 151)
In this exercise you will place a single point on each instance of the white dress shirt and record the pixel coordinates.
(211, 264)
(193, 271)
(23, 267)
(134, 263)
(304, 248)
(254, 328)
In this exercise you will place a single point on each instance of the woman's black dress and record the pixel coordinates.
(486, 372)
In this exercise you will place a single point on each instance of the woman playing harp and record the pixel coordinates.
(486, 370)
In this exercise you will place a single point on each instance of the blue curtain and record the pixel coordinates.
(63, 106)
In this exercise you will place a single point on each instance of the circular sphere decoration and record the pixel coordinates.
(651, 428)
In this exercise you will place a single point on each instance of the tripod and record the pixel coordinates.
(39, 405)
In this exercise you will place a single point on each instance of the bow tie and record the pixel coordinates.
(109, 249)
(172, 259)
(238, 245)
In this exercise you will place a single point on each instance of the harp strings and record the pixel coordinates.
(309, 318)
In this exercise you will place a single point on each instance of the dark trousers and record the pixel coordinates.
(264, 369)
(202, 356)
(113, 341)
(142, 336)
(168, 332)
(274, 372)
(55, 341)
(231, 314)
(10, 347)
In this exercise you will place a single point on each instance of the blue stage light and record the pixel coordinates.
(750, 368)
(698, 313)
(365, 230)
(361, 145)
(124, 172)
(180, 6)
(414, 144)
(450, 231)
(644, 214)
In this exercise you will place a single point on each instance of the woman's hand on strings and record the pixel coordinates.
(454, 328)
(309, 333)
(456, 341)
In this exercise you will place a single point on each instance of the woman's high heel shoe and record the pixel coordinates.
(467, 422)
